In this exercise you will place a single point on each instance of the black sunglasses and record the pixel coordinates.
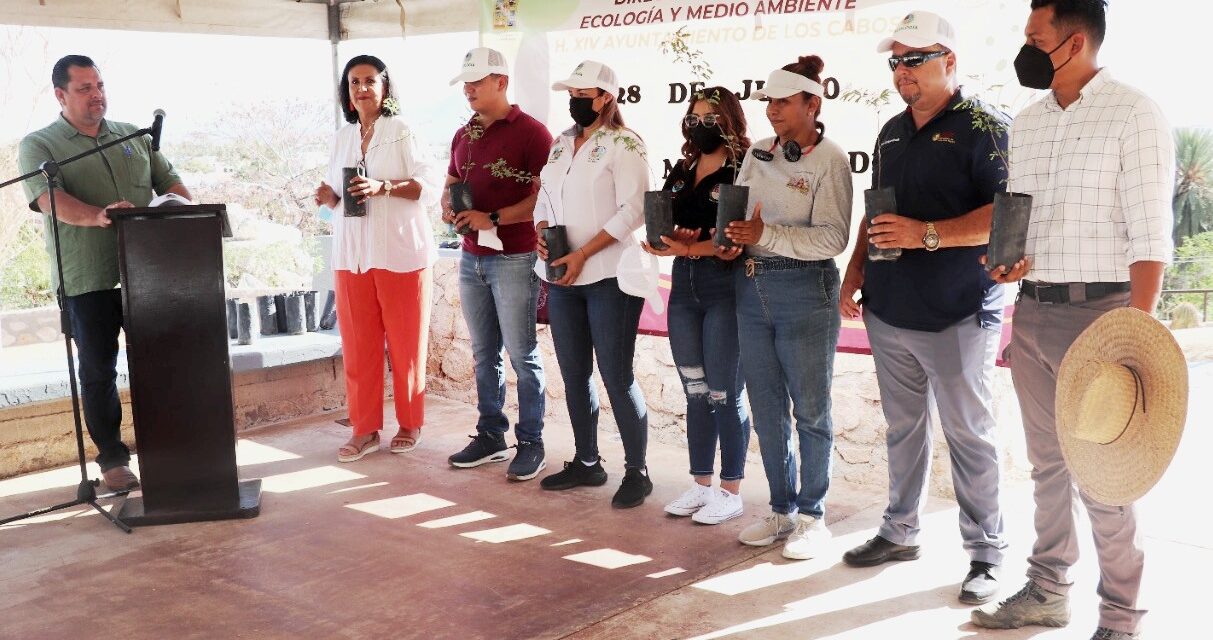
(914, 59)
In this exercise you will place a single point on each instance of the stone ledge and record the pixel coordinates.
(38, 373)
(40, 435)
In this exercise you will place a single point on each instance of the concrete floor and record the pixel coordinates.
(403, 546)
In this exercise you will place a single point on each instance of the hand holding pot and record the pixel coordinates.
(473, 219)
(541, 247)
(573, 264)
(1003, 275)
(746, 232)
(363, 187)
(891, 231)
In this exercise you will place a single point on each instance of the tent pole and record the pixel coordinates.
(334, 40)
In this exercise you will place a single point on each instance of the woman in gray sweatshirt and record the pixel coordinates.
(787, 302)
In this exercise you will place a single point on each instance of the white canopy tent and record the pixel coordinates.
(333, 20)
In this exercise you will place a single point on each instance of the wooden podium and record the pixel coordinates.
(171, 262)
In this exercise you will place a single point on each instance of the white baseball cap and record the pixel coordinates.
(921, 29)
(785, 84)
(480, 62)
(590, 75)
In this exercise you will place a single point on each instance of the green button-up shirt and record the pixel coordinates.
(129, 171)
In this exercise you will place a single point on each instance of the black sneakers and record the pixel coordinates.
(636, 485)
(575, 474)
(980, 585)
(483, 448)
(879, 551)
(527, 462)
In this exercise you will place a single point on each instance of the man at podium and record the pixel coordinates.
(125, 175)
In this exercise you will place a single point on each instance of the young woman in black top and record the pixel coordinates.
(702, 317)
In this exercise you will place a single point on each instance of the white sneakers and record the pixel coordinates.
(805, 534)
(808, 538)
(706, 505)
(693, 500)
(723, 506)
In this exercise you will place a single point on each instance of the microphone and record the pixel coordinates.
(157, 125)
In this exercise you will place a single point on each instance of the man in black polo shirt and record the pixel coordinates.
(933, 317)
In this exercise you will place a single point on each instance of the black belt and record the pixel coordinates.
(705, 259)
(1067, 292)
(759, 264)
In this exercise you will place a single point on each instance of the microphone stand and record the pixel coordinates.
(86, 492)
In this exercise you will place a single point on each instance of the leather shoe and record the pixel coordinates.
(879, 551)
(980, 584)
(120, 479)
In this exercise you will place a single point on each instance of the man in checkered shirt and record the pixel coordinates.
(1098, 159)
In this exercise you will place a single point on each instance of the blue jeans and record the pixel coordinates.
(599, 321)
(703, 339)
(788, 324)
(499, 293)
(96, 318)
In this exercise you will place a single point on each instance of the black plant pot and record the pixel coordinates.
(461, 200)
(291, 313)
(557, 240)
(280, 311)
(734, 200)
(350, 205)
(328, 319)
(309, 310)
(1009, 230)
(244, 323)
(267, 315)
(658, 217)
(231, 319)
(876, 202)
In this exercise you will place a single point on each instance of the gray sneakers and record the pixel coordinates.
(775, 526)
(1030, 606)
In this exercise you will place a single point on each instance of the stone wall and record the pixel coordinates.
(29, 326)
(40, 435)
(859, 449)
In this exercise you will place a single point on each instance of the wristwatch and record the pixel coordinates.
(387, 188)
(495, 218)
(931, 239)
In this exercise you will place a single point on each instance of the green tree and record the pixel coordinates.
(1193, 204)
(1192, 269)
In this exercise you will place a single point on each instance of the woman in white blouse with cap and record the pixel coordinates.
(593, 186)
(381, 260)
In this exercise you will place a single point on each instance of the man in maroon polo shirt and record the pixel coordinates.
(497, 154)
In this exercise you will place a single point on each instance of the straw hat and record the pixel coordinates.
(1122, 399)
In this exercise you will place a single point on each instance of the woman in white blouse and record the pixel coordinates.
(381, 260)
(593, 186)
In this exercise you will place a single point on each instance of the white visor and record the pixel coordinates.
(785, 84)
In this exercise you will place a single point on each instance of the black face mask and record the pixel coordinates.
(582, 110)
(1034, 67)
(708, 139)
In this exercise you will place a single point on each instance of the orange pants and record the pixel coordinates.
(371, 306)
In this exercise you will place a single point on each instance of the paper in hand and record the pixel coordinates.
(488, 238)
